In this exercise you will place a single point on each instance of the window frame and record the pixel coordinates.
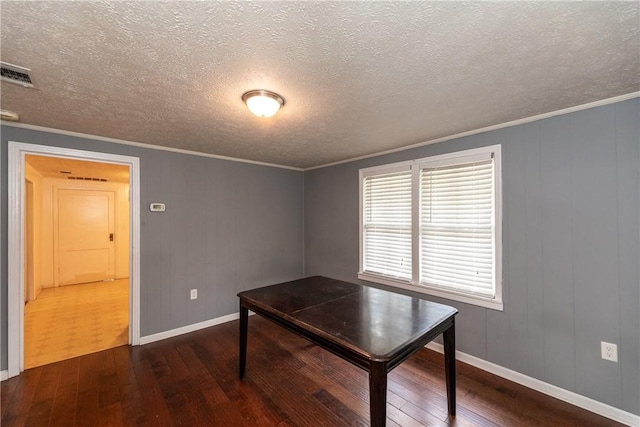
(458, 157)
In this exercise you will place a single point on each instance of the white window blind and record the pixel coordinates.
(456, 227)
(434, 225)
(387, 224)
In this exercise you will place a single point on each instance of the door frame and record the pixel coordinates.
(16, 189)
(28, 238)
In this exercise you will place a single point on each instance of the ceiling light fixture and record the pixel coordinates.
(9, 115)
(263, 103)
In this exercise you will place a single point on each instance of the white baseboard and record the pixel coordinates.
(4, 375)
(551, 390)
(190, 328)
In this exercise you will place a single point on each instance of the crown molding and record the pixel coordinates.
(143, 145)
(573, 109)
(489, 128)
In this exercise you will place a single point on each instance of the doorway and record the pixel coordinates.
(18, 228)
(81, 229)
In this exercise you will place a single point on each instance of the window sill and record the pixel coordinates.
(467, 299)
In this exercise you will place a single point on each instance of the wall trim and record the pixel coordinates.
(571, 397)
(190, 328)
(4, 375)
(599, 103)
(142, 145)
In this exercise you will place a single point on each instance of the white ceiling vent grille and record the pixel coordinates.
(15, 74)
(84, 178)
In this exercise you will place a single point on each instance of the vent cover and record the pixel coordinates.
(15, 74)
(85, 178)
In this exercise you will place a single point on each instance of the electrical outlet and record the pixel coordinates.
(194, 294)
(609, 351)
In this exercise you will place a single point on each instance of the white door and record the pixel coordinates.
(86, 241)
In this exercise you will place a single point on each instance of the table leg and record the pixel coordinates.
(449, 337)
(244, 323)
(378, 394)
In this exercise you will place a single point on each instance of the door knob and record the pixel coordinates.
(111, 237)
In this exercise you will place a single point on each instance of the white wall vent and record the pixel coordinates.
(16, 74)
(85, 178)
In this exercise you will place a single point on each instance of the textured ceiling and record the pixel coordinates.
(358, 77)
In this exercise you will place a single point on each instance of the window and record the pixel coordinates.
(387, 223)
(433, 225)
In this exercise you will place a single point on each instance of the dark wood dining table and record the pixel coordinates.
(372, 328)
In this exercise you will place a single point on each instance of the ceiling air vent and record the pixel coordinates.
(15, 74)
(85, 178)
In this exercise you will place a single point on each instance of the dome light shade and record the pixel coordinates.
(9, 115)
(263, 103)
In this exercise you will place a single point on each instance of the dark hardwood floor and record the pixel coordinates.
(192, 380)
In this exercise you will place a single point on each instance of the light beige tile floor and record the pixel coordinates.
(70, 321)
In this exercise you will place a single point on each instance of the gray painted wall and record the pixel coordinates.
(228, 227)
(570, 256)
(571, 242)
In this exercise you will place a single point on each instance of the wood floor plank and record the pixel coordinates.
(18, 398)
(341, 410)
(39, 413)
(427, 419)
(48, 383)
(334, 391)
(111, 415)
(412, 391)
(87, 408)
(202, 378)
(404, 419)
(192, 380)
(88, 368)
(63, 411)
(151, 399)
